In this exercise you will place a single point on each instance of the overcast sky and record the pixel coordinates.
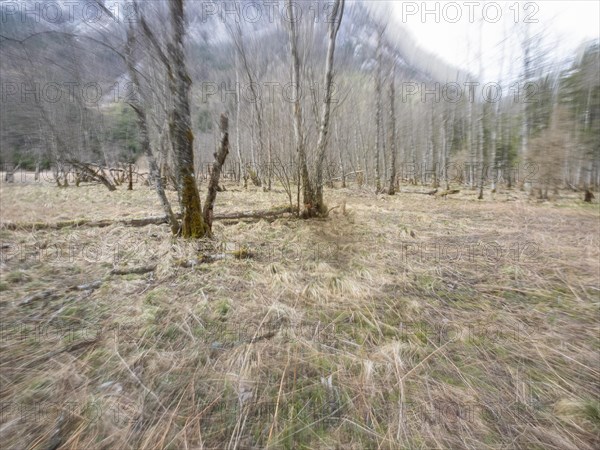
(566, 24)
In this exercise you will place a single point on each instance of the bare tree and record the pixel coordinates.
(314, 205)
(180, 129)
(392, 133)
(378, 110)
(144, 136)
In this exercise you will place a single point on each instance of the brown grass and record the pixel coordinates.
(398, 322)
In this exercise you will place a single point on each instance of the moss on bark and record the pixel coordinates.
(192, 223)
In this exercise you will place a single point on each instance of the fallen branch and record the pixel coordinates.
(446, 193)
(136, 222)
(44, 295)
(51, 294)
(254, 214)
(82, 222)
(133, 270)
(88, 286)
(95, 175)
(421, 192)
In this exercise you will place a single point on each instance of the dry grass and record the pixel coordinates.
(404, 322)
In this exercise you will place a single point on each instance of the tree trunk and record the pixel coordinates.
(192, 225)
(482, 152)
(213, 184)
(238, 135)
(318, 207)
(378, 114)
(392, 133)
(130, 184)
(142, 123)
(303, 176)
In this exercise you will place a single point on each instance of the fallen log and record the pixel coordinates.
(254, 214)
(159, 220)
(80, 223)
(97, 175)
(133, 270)
(446, 193)
(44, 295)
(52, 294)
(421, 192)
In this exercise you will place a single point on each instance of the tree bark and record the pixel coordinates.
(304, 177)
(392, 132)
(192, 224)
(317, 206)
(213, 184)
(378, 114)
(130, 184)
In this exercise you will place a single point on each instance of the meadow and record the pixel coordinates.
(404, 321)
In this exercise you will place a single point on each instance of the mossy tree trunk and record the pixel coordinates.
(192, 222)
(180, 130)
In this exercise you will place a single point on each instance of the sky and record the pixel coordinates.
(453, 31)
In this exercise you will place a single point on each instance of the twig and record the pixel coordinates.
(133, 270)
(138, 222)
(135, 377)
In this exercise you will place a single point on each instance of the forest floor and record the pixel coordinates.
(398, 322)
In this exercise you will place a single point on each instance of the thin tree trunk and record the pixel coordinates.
(434, 150)
(341, 160)
(238, 134)
(318, 206)
(482, 153)
(392, 133)
(298, 133)
(378, 115)
(256, 101)
(270, 150)
(142, 123)
(213, 184)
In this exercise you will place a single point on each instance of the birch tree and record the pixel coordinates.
(314, 205)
